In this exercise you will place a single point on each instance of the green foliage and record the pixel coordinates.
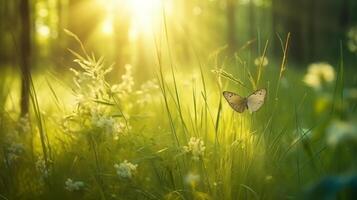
(174, 137)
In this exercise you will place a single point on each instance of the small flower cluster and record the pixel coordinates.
(262, 60)
(101, 121)
(24, 125)
(125, 169)
(145, 91)
(192, 178)
(82, 100)
(97, 101)
(13, 152)
(126, 86)
(71, 185)
(43, 168)
(341, 131)
(121, 128)
(90, 80)
(108, 124)
(352, 39)
(318, 74)
(196, 147)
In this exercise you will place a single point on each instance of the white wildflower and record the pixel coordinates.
(121, 128)
(13, 152)
(82, 100)
(125, 169)
(319, 73)
(80, 77)
(145, 93)
(71, 185)
(126, 86)
(340, 131)
(144, 99)
(352, 39)
(109, 124)
(196, 147)
(150, 85)
(16, 148)
(24, 124)
(103, 122)
(115, 89)
(192, 178)
(262, 60)
(90, 81)
(43, 168)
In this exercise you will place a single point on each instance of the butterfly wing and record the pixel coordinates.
(237, 102)
(256, 100)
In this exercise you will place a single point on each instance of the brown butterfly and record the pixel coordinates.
(253, 102)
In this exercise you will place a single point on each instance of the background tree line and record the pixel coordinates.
(32, 36)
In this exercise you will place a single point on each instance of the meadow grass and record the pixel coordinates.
(174, 137)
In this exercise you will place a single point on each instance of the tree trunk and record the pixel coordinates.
(59, 47)
(25, 53)
(293, 12)
(311, 31)
(344, 15)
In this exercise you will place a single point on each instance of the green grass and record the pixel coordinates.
(274, 153)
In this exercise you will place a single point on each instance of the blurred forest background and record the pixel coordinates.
(32, 36)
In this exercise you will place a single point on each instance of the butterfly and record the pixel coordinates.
(253, 102)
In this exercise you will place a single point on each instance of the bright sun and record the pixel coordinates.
(144, 14)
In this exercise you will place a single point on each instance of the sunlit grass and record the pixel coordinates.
(244, 155)
(173, 136)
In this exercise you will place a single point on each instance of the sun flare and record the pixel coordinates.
(107, 26)
(143, 14)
